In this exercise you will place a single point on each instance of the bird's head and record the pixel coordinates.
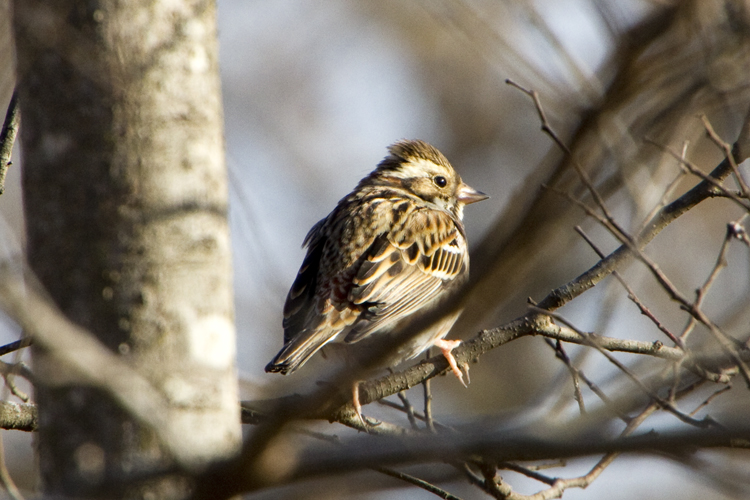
(423, 171)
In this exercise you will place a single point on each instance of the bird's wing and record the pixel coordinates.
(310, 321)
(407, 269)
(301, 297)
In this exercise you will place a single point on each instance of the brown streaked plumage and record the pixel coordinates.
(392, 247)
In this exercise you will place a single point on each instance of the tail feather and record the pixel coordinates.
(298, 350)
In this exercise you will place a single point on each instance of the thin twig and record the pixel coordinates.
(417, 415)
(699, 173)
(409, 410)
(721, 263)
(703, 423)
(668, 191)
(727, 150)
(527, 472)
(9, 370)
(563, 356)
(384, 470)
(632, 296)
(549, 465)
(417, 482)
(547, 129)
(14, 346)
(710, 398)
(596, 390)
(732, 232)
(8, 137)
(558, 485)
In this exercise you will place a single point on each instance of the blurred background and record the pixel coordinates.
(314, 93)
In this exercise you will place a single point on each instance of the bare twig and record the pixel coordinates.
(528, 472)
(593, 342)
(709, 399)
(721, 263)
(417, 415)
(502, 490)
(574, 372)
(9, 371)
(417, 482)
(596, 390)
(13, 388)
(668, 191)
(409, 410)
(14, 346)
(632, 296)
(8, 137)
(715, 183)
(619, 232)
(707, 188)
(727, 150)
(385, 470)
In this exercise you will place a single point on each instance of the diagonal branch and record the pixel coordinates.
(8, 137)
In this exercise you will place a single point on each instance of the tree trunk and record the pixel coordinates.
(125, 198)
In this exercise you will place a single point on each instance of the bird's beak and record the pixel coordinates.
(467, 194)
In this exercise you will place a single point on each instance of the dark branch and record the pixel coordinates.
(8, 137)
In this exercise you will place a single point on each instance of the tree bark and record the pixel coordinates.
(125, 198)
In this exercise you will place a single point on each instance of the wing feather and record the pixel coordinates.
(426, 264)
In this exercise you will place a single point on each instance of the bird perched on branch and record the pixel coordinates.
(393, 247)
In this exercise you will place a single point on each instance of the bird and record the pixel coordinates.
(392, 249)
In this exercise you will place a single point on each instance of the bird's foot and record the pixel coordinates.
(446, 346)
(358, 406)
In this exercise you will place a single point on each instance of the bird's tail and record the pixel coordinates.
(299, 349)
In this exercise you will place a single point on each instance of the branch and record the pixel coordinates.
(705, 422)
(417, 482)
(18, 416)
(14, 346)
(696, 364)
(632, 296)
(8, 137)
(727, 150)
(366, 452)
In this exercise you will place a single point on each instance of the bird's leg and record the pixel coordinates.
(356, 404)
(446, 346)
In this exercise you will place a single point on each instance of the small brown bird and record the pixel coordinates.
(393, 247)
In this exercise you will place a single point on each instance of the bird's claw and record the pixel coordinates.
(446, 346)
(465, 371)
(358, 407)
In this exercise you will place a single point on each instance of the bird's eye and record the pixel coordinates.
(440, 181)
